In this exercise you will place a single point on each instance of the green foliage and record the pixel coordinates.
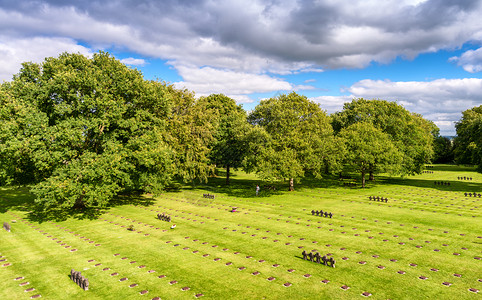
(369, 150)
(443, 150)
(300, 137)
(229, 146)
(84, 130)
(410, 132)
(468, 143)
(189, 132)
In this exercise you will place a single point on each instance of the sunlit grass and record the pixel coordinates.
(269, 228)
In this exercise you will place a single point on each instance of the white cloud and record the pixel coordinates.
(470, 60)
(255, 36)
(133, 61)
(15, 51)
(440, 101)
(208, 80)
(332, 103)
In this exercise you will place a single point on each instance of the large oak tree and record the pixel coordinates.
(410, 132)
(83, 130)
(369, 150)
(468, 143)
(300, 138)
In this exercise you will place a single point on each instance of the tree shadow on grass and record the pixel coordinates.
(16, 198)
(455, 186)
(20, 199)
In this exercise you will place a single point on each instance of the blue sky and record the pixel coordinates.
(424, 54)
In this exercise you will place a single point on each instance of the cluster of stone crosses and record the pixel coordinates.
(209, 196)
(322, 214)
(164, 217)
(441, 183)
(6, 226)
(428, 172)
(472, 194)
(349, 184)
(381, 199)
(464, 178)
(317, 258)
(78, 278)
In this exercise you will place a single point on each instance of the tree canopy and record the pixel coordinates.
(369, 150)
(300, 137)
(468, 143)
(228, 148)
(410, 132)
(83, 130)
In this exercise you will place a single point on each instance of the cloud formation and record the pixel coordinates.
(255, 35)
(470, 60)
(441, 100)
(240, 47)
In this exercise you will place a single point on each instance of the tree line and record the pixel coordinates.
(80, 131)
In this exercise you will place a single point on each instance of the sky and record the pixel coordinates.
(425, 55)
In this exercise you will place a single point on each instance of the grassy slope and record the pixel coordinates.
(271, 228)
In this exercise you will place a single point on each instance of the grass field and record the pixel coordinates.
(425, 236)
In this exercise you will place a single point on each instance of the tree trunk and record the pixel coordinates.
(227, 175)
(363, 179)
(79, 202)
(292, 186)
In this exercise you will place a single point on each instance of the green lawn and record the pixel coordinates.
(224, 255)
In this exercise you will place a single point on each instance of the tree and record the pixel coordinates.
(189, 134)
(468, 143)
(443, 150)
(410, 132)
(229, 146)
(300, 138)
(83, 130)
(369, 150)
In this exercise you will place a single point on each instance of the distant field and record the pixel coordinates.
(425, 243)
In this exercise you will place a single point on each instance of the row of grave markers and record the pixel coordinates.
(317, 258)
(322, 214)
(79, 279)
(209, 196)
(164, 217)
(441, 183)
(378, 199)
(474, 194)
